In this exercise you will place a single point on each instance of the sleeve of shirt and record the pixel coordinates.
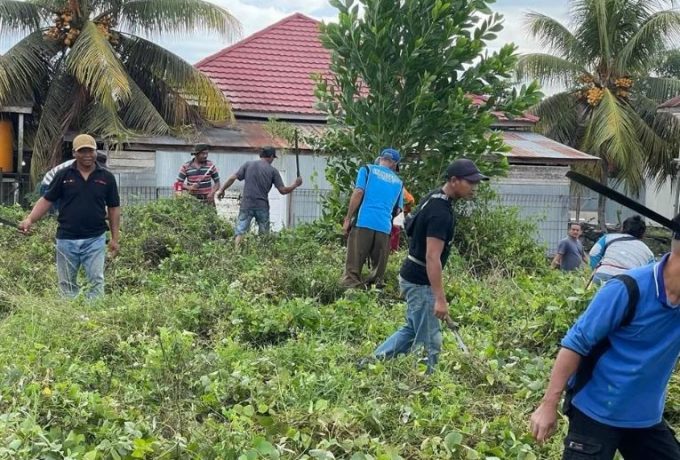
(241, 173)
(400, 203)
(56, 187)
(215, 175)
(182, 174)
(438, 226)
(597, 252)
(112, 196)
(277, 180)
(362, 178)
(603, 315)
(562, 247)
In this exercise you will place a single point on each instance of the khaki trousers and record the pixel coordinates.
(363, 244)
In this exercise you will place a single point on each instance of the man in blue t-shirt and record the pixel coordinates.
(621, 405)
(376, 199)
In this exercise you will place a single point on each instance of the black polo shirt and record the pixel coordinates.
(435, 220)
(82, 203)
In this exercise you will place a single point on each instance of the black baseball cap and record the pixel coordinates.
(198, 148)
(463, 168)
(268, 152)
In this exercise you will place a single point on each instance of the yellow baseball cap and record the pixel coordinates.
(84, 141)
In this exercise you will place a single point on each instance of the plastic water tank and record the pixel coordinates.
(6, 141)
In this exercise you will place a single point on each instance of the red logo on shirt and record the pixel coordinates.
(100, 181)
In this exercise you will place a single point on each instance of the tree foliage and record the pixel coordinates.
(606, 62)
(404, 75)
(89, 65)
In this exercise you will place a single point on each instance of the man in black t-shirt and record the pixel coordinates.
(84, 191)
(420, 278)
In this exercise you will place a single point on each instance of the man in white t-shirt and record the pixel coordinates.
(616, 253)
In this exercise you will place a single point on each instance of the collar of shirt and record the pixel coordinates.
(659, 283)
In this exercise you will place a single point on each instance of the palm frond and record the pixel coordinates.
(99, 119)
(601, 11)
(186, 89)
(24, 67)
(554, 36)
(648, 41)
(661, 142)
(95, 65)
(612, 134)
(19, 17)
(548, 69)
(64, 101)
(560, 118)
(659, 89)
(141, 115)
(181, 17)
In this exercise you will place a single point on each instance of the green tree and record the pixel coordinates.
(402, 75)
(669, 66)
(86, 65)
(609, 107)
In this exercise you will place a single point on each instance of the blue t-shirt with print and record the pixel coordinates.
(382, 191)
(628, 385)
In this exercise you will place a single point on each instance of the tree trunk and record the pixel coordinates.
(602, 200)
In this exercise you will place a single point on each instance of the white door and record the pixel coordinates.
(278, 208)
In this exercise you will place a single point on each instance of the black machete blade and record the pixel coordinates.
(623, 200)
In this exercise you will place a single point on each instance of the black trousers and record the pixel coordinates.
(591, 440)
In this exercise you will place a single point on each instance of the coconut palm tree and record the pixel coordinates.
(90, 65)
(605, 60)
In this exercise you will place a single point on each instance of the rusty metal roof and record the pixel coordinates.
(528, 147)
(251, 135)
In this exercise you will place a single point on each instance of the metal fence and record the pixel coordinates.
(14, 188)
(550, 213)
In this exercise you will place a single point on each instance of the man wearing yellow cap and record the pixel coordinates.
(84, 191)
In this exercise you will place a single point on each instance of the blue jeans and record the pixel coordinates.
(89, 253)
(421, 328)
(245, 216)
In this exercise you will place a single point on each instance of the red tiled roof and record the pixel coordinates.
(270, 70)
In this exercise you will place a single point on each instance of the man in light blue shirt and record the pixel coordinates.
(620, 407)
(376, 199)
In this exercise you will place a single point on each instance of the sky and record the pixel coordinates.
(258, 14)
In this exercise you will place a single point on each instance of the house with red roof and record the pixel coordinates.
(268, 76)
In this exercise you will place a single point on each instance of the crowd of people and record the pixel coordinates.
(614, 363)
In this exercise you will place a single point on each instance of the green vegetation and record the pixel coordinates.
(403, 76)
(197, 352)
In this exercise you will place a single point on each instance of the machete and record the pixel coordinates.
(453, 327)
(623, 200)
(297, 154)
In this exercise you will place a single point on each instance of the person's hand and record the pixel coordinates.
(220, 195)
(192, 187)
(298, 181)
(25, 225)
(346, 226)
(441, 309)
(114, 246)
(544, 421)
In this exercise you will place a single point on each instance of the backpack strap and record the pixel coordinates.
(588, 363)
(633, 298)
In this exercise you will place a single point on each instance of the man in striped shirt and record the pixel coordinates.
(199, 176)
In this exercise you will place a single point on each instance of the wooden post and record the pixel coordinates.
(20, 158)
